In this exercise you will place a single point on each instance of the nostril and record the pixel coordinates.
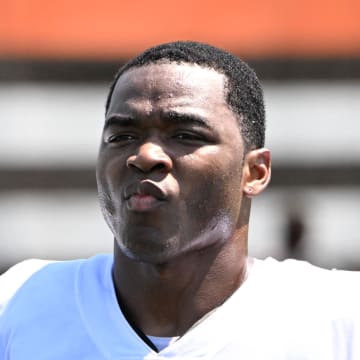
(158, 166)
(146, 167)
(133, 166)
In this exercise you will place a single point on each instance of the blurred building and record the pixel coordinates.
(57, 59)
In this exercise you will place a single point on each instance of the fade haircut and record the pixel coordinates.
(243, 91)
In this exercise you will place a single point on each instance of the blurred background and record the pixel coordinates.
(57, 59)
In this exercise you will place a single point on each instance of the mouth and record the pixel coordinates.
(144, 196)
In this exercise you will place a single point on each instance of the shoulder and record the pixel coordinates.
(336, 291)
(12, 280)
(308, 310)
(45, 276)
(33, 279)
(305, 270)
(60, 297)
(303, 275)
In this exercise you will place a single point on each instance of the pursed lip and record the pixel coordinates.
(144, 195)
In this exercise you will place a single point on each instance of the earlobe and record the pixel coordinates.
(256, 171)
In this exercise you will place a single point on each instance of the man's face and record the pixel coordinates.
(170, 162)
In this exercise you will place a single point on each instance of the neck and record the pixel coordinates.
(167, 299)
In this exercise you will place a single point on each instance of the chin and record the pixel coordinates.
(150, 247)
(148, 257)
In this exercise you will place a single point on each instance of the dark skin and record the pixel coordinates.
(175, 187)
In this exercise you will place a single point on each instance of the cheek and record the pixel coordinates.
(213, 185)
(109, 172)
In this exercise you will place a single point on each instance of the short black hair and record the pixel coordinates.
(244, 94)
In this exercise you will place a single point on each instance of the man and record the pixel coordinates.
(181, 157)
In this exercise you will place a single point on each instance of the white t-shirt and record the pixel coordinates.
(285, 310)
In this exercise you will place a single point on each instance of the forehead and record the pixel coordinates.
(163, 83)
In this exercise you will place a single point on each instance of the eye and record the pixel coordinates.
(188, 136)
(120, 138)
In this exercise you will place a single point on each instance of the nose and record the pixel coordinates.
(150, 157)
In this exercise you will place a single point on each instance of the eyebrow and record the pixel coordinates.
(185, 119)
(171, 117)
(119, 120)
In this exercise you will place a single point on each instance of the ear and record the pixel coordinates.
(256, 171)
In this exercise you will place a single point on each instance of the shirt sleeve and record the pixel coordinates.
(15, 277)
